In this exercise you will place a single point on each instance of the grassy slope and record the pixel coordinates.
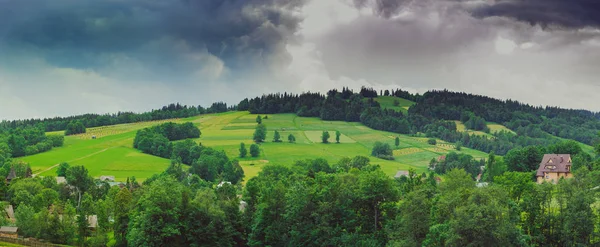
(388, 102)
(111, 153)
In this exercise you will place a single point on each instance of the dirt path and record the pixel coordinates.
(80, 158)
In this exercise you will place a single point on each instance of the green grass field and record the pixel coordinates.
(111, 153)
(388, 103)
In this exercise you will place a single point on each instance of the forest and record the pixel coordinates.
(307, 203)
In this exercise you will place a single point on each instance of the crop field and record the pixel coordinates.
(111, 153)
(494, 127)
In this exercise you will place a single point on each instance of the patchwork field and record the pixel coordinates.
(111, 153)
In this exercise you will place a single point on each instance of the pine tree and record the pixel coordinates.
(243, 151)
(276, 137)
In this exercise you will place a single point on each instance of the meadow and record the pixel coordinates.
(388, 103)
(111, 152)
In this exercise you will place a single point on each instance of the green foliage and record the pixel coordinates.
(156, 140)
(291, 138)
(77, 176)
(455, 160)
(276, 137)
(325, 137)
(74, 128)
(243, 150)
(25, 220)
(122, 206)
(432, 141)
(61, 171)
(382, 150)
(337, 136)
(458, 146)
(258, 119)
(260, 133)
(254, 150)
(493, 168)
(213, 165)
(397, 142)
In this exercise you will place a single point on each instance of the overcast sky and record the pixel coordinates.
(64, 57)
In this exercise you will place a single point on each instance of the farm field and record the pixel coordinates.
(111, 153)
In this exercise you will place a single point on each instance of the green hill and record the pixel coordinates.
(111, 152)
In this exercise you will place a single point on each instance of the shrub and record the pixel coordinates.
(254, 150)
(432, 141)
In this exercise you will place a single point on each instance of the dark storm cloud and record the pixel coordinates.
(79, 33)
(560, 13)
(565, 13)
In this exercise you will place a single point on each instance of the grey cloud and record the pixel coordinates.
(441, 44)
(244, 34)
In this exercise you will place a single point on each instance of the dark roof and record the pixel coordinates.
(12, 174)
(9, 229)
(554, 163)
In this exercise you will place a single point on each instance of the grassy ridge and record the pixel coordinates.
(112, 153)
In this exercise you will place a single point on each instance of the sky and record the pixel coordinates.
(59, 58)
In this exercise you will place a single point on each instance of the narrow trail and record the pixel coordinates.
(80, 158)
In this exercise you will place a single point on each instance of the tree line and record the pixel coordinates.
(28, 141)
(96, 120)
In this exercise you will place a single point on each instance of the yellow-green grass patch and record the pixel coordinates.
(407, 151)
(494, 127)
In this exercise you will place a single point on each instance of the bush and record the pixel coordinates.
(432, 141)
(254, 150)
(396, 102)
(382, 150)
(31, 150)
(57, 140)
(325, 137)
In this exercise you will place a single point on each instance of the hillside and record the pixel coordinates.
(111, 153)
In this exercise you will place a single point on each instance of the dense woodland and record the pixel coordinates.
(308, 203)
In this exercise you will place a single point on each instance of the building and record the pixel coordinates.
(107, 178)
(11, 175)
(61, 180)
(399, 174)
(9, 213)
(9, 232)
(554, 167)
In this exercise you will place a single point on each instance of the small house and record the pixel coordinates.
(400, 174)
(9, 232)
(11, 175)
(107, 178)
(553, 167)
(61, 180)
(223, 183)
(9, 213)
